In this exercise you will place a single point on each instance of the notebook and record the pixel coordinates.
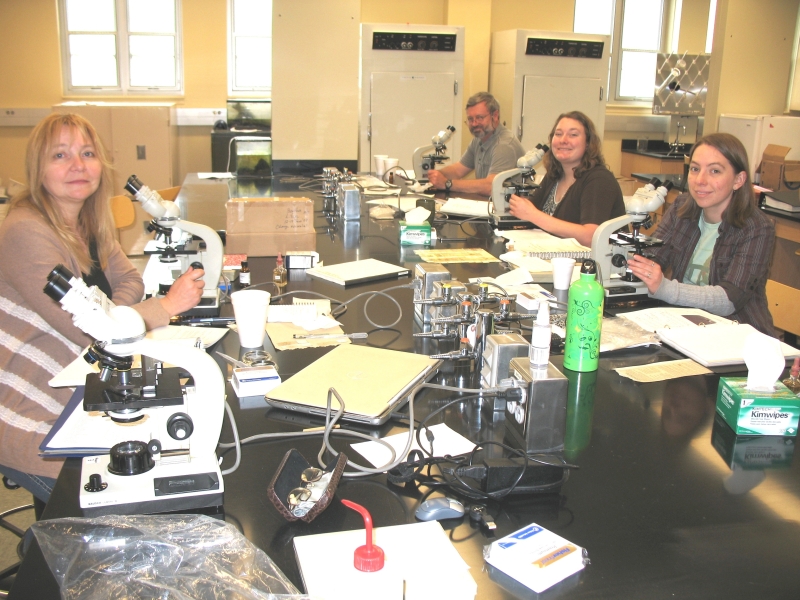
(466, 208)
(788, 201)
(359, 271)
(540, 244)
(373, 382)
(715, 345)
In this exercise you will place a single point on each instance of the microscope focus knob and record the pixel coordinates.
(619, 260)
(96, 483)
(196, 265)
(130, 458)
(180, 426)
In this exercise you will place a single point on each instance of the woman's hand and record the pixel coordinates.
(522, 208)
(185, 292)
(647, 270)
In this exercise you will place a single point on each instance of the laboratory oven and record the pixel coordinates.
(537, 75)
(412, 79)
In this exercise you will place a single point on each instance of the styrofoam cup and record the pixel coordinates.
(388, 163)
(380, 169)
(250, 309)
(562, 272)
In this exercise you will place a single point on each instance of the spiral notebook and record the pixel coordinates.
(555, 248)
(541, 244)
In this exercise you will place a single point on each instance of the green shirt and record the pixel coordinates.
(697, 270)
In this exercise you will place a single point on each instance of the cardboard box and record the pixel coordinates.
(757, 413)
(269, 244)
(776, 170)
(270, 215)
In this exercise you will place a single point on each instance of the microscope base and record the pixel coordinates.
(503, 222)
(208, 306)
(200, 481)
(630, 290)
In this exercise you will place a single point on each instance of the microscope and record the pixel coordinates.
(168, 431)
(422, 163)
(502, 191)
(174, 249)
(612, 247)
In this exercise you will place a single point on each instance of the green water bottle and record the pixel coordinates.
(584, 319)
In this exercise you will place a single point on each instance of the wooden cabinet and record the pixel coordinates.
(638, 163)
(141, 140)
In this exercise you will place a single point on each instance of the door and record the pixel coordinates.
(408, 109)
(544, 98)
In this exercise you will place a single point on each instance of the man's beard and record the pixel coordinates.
(481, 131)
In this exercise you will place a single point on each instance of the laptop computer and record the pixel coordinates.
(373, 382)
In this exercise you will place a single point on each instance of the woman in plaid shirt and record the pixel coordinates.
(717, 244)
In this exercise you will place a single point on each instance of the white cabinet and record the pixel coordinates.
(537, 75)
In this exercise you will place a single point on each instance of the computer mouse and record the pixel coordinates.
(436, 509)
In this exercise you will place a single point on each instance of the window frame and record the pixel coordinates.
(244, 92)
(614, 72)
(123, 58)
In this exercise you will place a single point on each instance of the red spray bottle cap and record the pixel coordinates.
(368, 557)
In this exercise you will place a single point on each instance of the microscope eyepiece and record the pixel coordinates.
(58, 283)
(133, 185)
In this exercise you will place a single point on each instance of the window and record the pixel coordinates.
(250, 47)
(121, 46)
(635, 27)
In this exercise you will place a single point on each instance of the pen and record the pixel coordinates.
(322, 336)
(233, 361)
(210, 321)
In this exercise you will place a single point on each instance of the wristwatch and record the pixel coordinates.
(448, 184)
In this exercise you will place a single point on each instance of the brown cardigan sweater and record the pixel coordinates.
(37, 337)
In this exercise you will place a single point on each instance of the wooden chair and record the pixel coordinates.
(122, 210)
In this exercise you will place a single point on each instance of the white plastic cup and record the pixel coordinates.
(250, 309)
(388, 163)
(562, 272)
(380, 168)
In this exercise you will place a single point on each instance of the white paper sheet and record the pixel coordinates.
(446, 441)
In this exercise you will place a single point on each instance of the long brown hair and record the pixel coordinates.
(94, 220)
(743, 200)
(593, 155)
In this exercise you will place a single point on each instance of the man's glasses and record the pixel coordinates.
(302, 499)
(476, 119)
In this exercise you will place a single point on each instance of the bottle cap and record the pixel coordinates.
(795, 371)
(543, 316)
(244, 264)
(279, 260)
(368, 557)
(589, 267)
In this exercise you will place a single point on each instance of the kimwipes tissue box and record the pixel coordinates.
(776, 170)
(266, 226)
(757, 413)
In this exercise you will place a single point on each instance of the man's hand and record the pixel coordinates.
(437, 179)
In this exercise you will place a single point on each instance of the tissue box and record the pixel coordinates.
(757, 413)
(535, 557)
(254, 381)
(415, 235)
